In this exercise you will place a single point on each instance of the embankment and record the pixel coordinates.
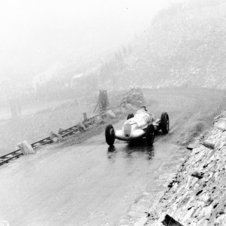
(197, 195)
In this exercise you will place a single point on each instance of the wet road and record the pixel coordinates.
(90, 184)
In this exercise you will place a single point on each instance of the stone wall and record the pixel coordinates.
(197, 194)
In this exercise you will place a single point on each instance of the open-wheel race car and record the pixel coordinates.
(140, 125)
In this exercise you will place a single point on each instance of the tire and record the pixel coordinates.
(164, 123)
(130, 116)
(150, 135)
(110, 135)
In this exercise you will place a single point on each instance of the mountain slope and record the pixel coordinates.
(185, 44)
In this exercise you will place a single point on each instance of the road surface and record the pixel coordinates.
(92, 184)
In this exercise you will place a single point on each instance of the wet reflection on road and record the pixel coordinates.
(79, 185)
(131, 150)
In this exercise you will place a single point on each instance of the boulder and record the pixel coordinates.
(26, 148)
(221, 125)
(197, 174)
(111, 114)
(134, 97)
(169, 221)
(208, 144)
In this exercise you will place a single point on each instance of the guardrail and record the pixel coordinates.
(63, 133)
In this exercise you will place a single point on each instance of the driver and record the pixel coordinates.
(142, 110)
(142, 116)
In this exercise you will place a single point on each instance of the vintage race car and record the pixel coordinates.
(140, 125)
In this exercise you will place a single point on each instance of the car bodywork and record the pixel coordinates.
(134, 127)
(140, 125)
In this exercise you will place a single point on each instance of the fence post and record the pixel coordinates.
(85, 116)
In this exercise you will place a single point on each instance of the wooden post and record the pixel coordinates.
(85, 116)
(103, 102)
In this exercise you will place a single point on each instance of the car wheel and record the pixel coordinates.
(165, 123)
(130, 116)
(150, 135)
(110, 135)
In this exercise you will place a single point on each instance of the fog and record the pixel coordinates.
(38, 34)
(65, 61)
(45, 44)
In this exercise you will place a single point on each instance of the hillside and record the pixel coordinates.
(185, 45)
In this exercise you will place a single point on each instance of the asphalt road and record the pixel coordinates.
(91, 184)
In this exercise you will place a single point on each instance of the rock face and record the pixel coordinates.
(134, 97)
(197, 194)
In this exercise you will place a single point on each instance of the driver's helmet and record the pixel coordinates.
(141, 110)
(144, 107)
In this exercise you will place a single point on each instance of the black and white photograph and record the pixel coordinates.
(112, 113)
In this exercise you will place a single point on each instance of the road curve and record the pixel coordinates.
(91, 184)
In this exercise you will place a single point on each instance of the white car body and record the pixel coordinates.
(135, 127)
(142, 125)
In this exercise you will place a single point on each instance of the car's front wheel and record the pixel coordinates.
(165, 123)
(150, 135)
(110, 135)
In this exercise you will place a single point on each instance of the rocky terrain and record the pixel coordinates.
(196, 195)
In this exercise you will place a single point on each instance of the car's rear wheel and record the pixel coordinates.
(165, 123)
(150, 135)
(130, 116)
(110, 135)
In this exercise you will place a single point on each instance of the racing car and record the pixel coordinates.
(140, 125)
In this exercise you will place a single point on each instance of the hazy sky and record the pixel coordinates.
(37, 34)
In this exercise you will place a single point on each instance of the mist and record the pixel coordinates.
(103, 102)
(38, 35)
(44, 44)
